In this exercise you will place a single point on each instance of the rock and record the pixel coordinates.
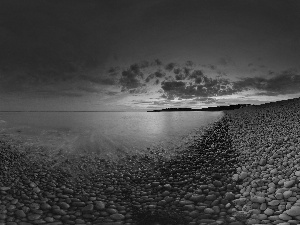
(89, 208)
(297, 173)
(293, 211)
(262, 216)
(4, 188)
(262, 162)
(59, 212)
(274, 202)
(117, 216)
(217, 183)
(269, 211)
(289, 183)
(100, 205)
(197, 198)
(20, 213)
(36, 190)
(49, 219)
(211, 197)
(32, 184)
(243, 175)
(186, 202)
(64, 205)
(112, 211)
(229, 196)
(285, 217)
(258, 199)
(194, 214)
(235, 177)
(236, 223)
(209, 211)
(34, 216)
(287, 194)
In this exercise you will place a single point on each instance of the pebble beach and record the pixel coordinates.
(243, 169)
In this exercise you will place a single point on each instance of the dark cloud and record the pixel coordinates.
(196, 74)
(170, 66)
(150, 77)
(160, 74)
(177, 71)
(189, 63)
(157, 62)
(285, 83)
(199, 85)
(131, 77)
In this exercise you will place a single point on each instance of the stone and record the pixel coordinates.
(211, 197)
(117, 216)
(197, 198)
(34, 216)
(274, 202)
(289, 183)
(217, 183)
(293, 211)
(4, 188)
(269, 211)
(209, 211)
(262, 162)
(287, 194)
(64, 205)
(20, 213)
(88, 208)
(229, 196)
(285, 217)
(99, 205)
(262, 216)
(258, 199)
(194, 214)
(243, 175)
(235, 177)
(297, 173)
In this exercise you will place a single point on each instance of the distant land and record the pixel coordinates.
(226, 107)
(218, 108)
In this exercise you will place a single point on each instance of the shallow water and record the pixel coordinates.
(103, 132)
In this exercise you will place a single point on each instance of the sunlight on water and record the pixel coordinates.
(103, 132)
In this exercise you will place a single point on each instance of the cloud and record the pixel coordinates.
(129, 80)
(286, 82)
(159, 74)
(189, 63)
(170, 66)
(156, 62)
(197, 85)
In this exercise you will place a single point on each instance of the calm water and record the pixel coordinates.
(103, 132)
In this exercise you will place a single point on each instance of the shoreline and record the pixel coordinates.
(244, 169)
(194, 187)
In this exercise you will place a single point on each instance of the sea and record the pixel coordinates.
(104, 133)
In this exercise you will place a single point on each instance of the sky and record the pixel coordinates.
(138, 55)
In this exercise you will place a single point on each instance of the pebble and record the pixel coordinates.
(289, 183)
(293, 211)
(211, 182)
